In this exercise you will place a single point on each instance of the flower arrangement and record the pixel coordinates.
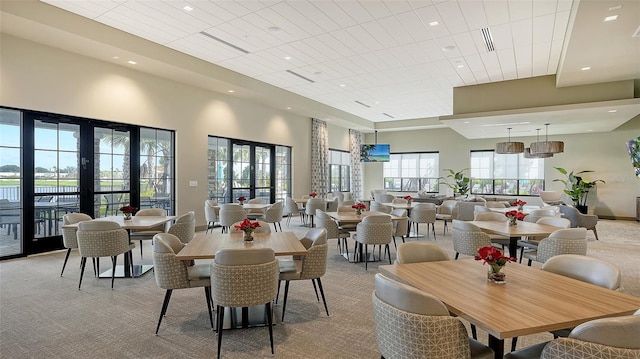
(513, 216)
(313, 194)
(519, 203)
(496, 260)
(241, 199)
(128, 211)
(408, 198)
(247, 227)
(359, 207)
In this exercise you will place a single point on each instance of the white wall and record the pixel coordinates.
(604, 153)
(38, 77)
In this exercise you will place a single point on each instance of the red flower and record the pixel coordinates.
(359, 205)
(519, 215)
(241, 198)
(313, 194)
(408, 198)
(519, 202)
(128, 209)
(493, 256)
(247, 225)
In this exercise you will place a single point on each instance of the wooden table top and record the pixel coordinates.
(304, 200)
(247, 206)
(522, 229)
(400, 205)
(205, 246)
(352, 217)
(136, 222)
(525, 209)
(531, 301)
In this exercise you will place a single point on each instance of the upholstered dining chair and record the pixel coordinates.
(332, 230)
(374, 230)
(383, 198)
(231, 213)
(256, 213)
(467, 238)
(561, 241)
(69, 238)
(379, 207)
(171, 273)
(264, 227)
(416, 252)
(184, 227)
(102, 239)
(496, 217)
(424, 213)
(531, 243)
(445, 213)
(347, 202)
(346, 208)
(410, 323)
(291, 209)
(274, 215)
(464, 211)
(313, 265)
(578, 219)
(147, 234)
(551, 197)
(244, 278)
(399, 201)
(312, 205)
(211, 214)
(332, 204)
(536, 214)
(401, 226)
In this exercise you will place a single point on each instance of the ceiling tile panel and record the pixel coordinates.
(465, 44)
(475, 64)
(207, 12)
(414, 26)
(522, 33)
(332, 11)
(394, 27)
(243, 32)
(433, 50)
(124, 20)
(289, 31)
(508, 64)
(204, 48)
(542, 28)
(297, 19)
(349, 41)
(497, 12)
(540, 58)
(365, 38)
(316, 16)
(88, 9)
(492, 65)
(554, 56)
(376, 8)
(502, 38)
(473, 12)
(560, 25)
(356, 11)
(520, 9)
(430, 14)
(398, 6)
(253, 5)
(336, 45)
(544, 7)
(523, 61)
(376, 30)
(455, 21)
(564, 5)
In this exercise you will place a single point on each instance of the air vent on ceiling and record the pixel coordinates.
(300, 76)
(363, 104)
(636, 33)
(488, 39)
(388, 115)
(224, 42)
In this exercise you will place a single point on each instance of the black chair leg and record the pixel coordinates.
(220, 322)
(278, 294)
(324, 300)
(66, 258)
(207, 294)
(165, 304)
(388, 249)
(457, 254)
(514, 341)
(474, 332)
(366, 256)
(284, 303)
(315, 289)
(270, 324)
(83, 262)
(141, 249)
(113, 271)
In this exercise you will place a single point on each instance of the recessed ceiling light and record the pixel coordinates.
(230, 91)
(611, 18)
(460, 66)
(287, 57)
(612, 111)
(343, 85)
(465, 122)
(274, 29)
(288, 108)
(617, 7)
(132, 62)
(318, 73)
(448, 48)
(586, 68)
(116, 57)
(433, 23)
(188, 8)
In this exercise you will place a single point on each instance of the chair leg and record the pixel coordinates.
(433, 228)
(366, 256)
(140, 249)
(280, 225)
(457, 254)
(83, 262)
(278, 293)
(595, 232)
(220, 322)
(284, 303)
(521, 253)
(315, 289)
(474, 332)
(66, 258)
(323, 298)
(207, 294)
(165, 304)
(529, 263)
(113, 270)
(270, 324)
(388, 249)
(514, 342)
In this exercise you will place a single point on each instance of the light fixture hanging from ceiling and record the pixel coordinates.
(509, 147)
(547, 146)
(527, 151)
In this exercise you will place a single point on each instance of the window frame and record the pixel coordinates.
(404, 181)
(496, 172)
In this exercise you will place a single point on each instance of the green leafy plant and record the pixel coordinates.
(576, 187)
(457, 181)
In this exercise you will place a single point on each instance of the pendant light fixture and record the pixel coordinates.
(509, 147)
(547, 146)
(527, 151)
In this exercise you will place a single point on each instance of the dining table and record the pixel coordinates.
(531, 301)
(514, 232)
(525, 209)
(135, 223)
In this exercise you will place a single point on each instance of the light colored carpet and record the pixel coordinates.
(43, 315)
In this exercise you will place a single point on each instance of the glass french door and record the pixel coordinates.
(252, 167)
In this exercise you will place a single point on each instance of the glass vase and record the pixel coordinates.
(520, 207)
(513, 221)
(127, 216)
(496, 274)
(248, 236)
(358, 212)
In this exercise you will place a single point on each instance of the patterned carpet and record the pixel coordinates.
(43, 315)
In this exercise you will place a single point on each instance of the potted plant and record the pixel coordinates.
(577, 188)
(457, 181)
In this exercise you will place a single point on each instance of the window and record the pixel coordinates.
(511, 174)
(156, 169)
(339, 171)
(412, 172)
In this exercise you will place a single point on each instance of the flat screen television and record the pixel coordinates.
(633, 147)
(374, 153)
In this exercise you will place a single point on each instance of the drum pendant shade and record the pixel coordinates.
(509, 147)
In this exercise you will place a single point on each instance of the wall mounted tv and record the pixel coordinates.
(374, 153)
(633, 147)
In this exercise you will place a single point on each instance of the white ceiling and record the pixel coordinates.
(386, 55)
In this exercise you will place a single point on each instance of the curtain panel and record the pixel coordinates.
(319, 157)
(355, 140)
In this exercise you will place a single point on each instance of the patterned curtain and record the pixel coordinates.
(319, 157)
(355, 140)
